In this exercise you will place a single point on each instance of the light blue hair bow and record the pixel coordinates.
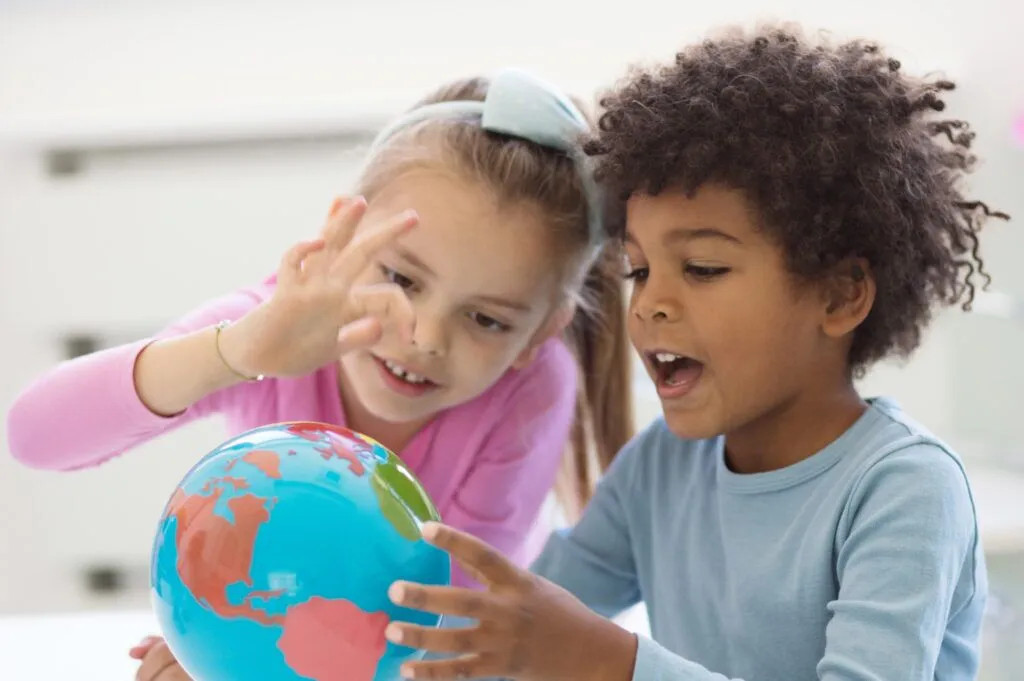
(521, 105)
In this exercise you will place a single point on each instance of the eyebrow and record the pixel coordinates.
(691, 234)
(504, 302)
(413, 260)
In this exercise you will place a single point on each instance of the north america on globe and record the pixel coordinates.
(217, 528)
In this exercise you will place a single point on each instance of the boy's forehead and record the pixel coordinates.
(711, 213)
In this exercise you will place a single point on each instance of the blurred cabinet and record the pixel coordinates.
(124, 237)
(104, 249)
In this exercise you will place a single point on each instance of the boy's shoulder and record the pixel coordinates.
(905, 484)
(895, 436)
(900, 456)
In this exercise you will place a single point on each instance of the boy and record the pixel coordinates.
(794, 214)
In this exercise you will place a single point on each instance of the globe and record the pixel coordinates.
(273, 557)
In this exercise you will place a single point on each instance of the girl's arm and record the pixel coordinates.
(92, 408)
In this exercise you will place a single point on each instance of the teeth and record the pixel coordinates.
(666, 357)
(403, 373)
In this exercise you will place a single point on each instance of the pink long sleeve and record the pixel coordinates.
(86, 410)
(500, 497)
(488, 464)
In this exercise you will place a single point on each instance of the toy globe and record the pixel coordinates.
(274, 555)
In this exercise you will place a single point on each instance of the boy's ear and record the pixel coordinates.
(849, 297)
(555, 325)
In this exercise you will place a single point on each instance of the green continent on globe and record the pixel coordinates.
(401, 500)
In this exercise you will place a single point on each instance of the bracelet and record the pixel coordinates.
(221, 325)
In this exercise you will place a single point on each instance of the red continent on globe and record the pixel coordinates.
(333, 640)
(339, 443)
(322, 639)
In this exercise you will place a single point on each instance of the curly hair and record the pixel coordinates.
(841, 154)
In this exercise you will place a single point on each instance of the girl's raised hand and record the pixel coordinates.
(317, 313)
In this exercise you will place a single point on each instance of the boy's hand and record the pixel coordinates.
(527, 628)
(158, 664)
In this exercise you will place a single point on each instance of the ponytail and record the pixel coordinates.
(604, 404)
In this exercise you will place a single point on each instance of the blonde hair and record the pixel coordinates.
(522, 173)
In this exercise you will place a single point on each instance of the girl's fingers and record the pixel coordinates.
(354, 259)
(292, 262)
(360, 334)
(139, 650)
(386, 303)
(342, 225)
(156, 661)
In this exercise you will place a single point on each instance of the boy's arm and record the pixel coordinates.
(594, 560)
(911, 535)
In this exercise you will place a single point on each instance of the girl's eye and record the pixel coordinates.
(705, 272)
(397, 278)
(489, 323)
(637, 274)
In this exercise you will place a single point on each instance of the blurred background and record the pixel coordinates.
(154, 154)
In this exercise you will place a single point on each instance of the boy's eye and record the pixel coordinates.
(397, 277)
(489, 323)
(705, 272)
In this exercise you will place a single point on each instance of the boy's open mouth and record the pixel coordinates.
(674, 374)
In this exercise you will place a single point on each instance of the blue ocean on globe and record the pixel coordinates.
(273, 558)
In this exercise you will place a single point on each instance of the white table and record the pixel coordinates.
(72, 647)
(94, 646)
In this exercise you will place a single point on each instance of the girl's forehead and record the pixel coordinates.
(483, 255)
(466, 237)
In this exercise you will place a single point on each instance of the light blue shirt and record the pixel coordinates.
(861, 563)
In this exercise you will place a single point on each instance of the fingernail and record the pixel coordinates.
(393, 633)
(407, 672)
(430, 530)
(397, 593)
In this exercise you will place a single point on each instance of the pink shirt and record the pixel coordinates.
(487, 464)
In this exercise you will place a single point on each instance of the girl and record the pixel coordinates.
(795, 214)
(444, 288)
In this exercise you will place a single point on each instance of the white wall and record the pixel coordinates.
(170, 58)
(135, 240)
